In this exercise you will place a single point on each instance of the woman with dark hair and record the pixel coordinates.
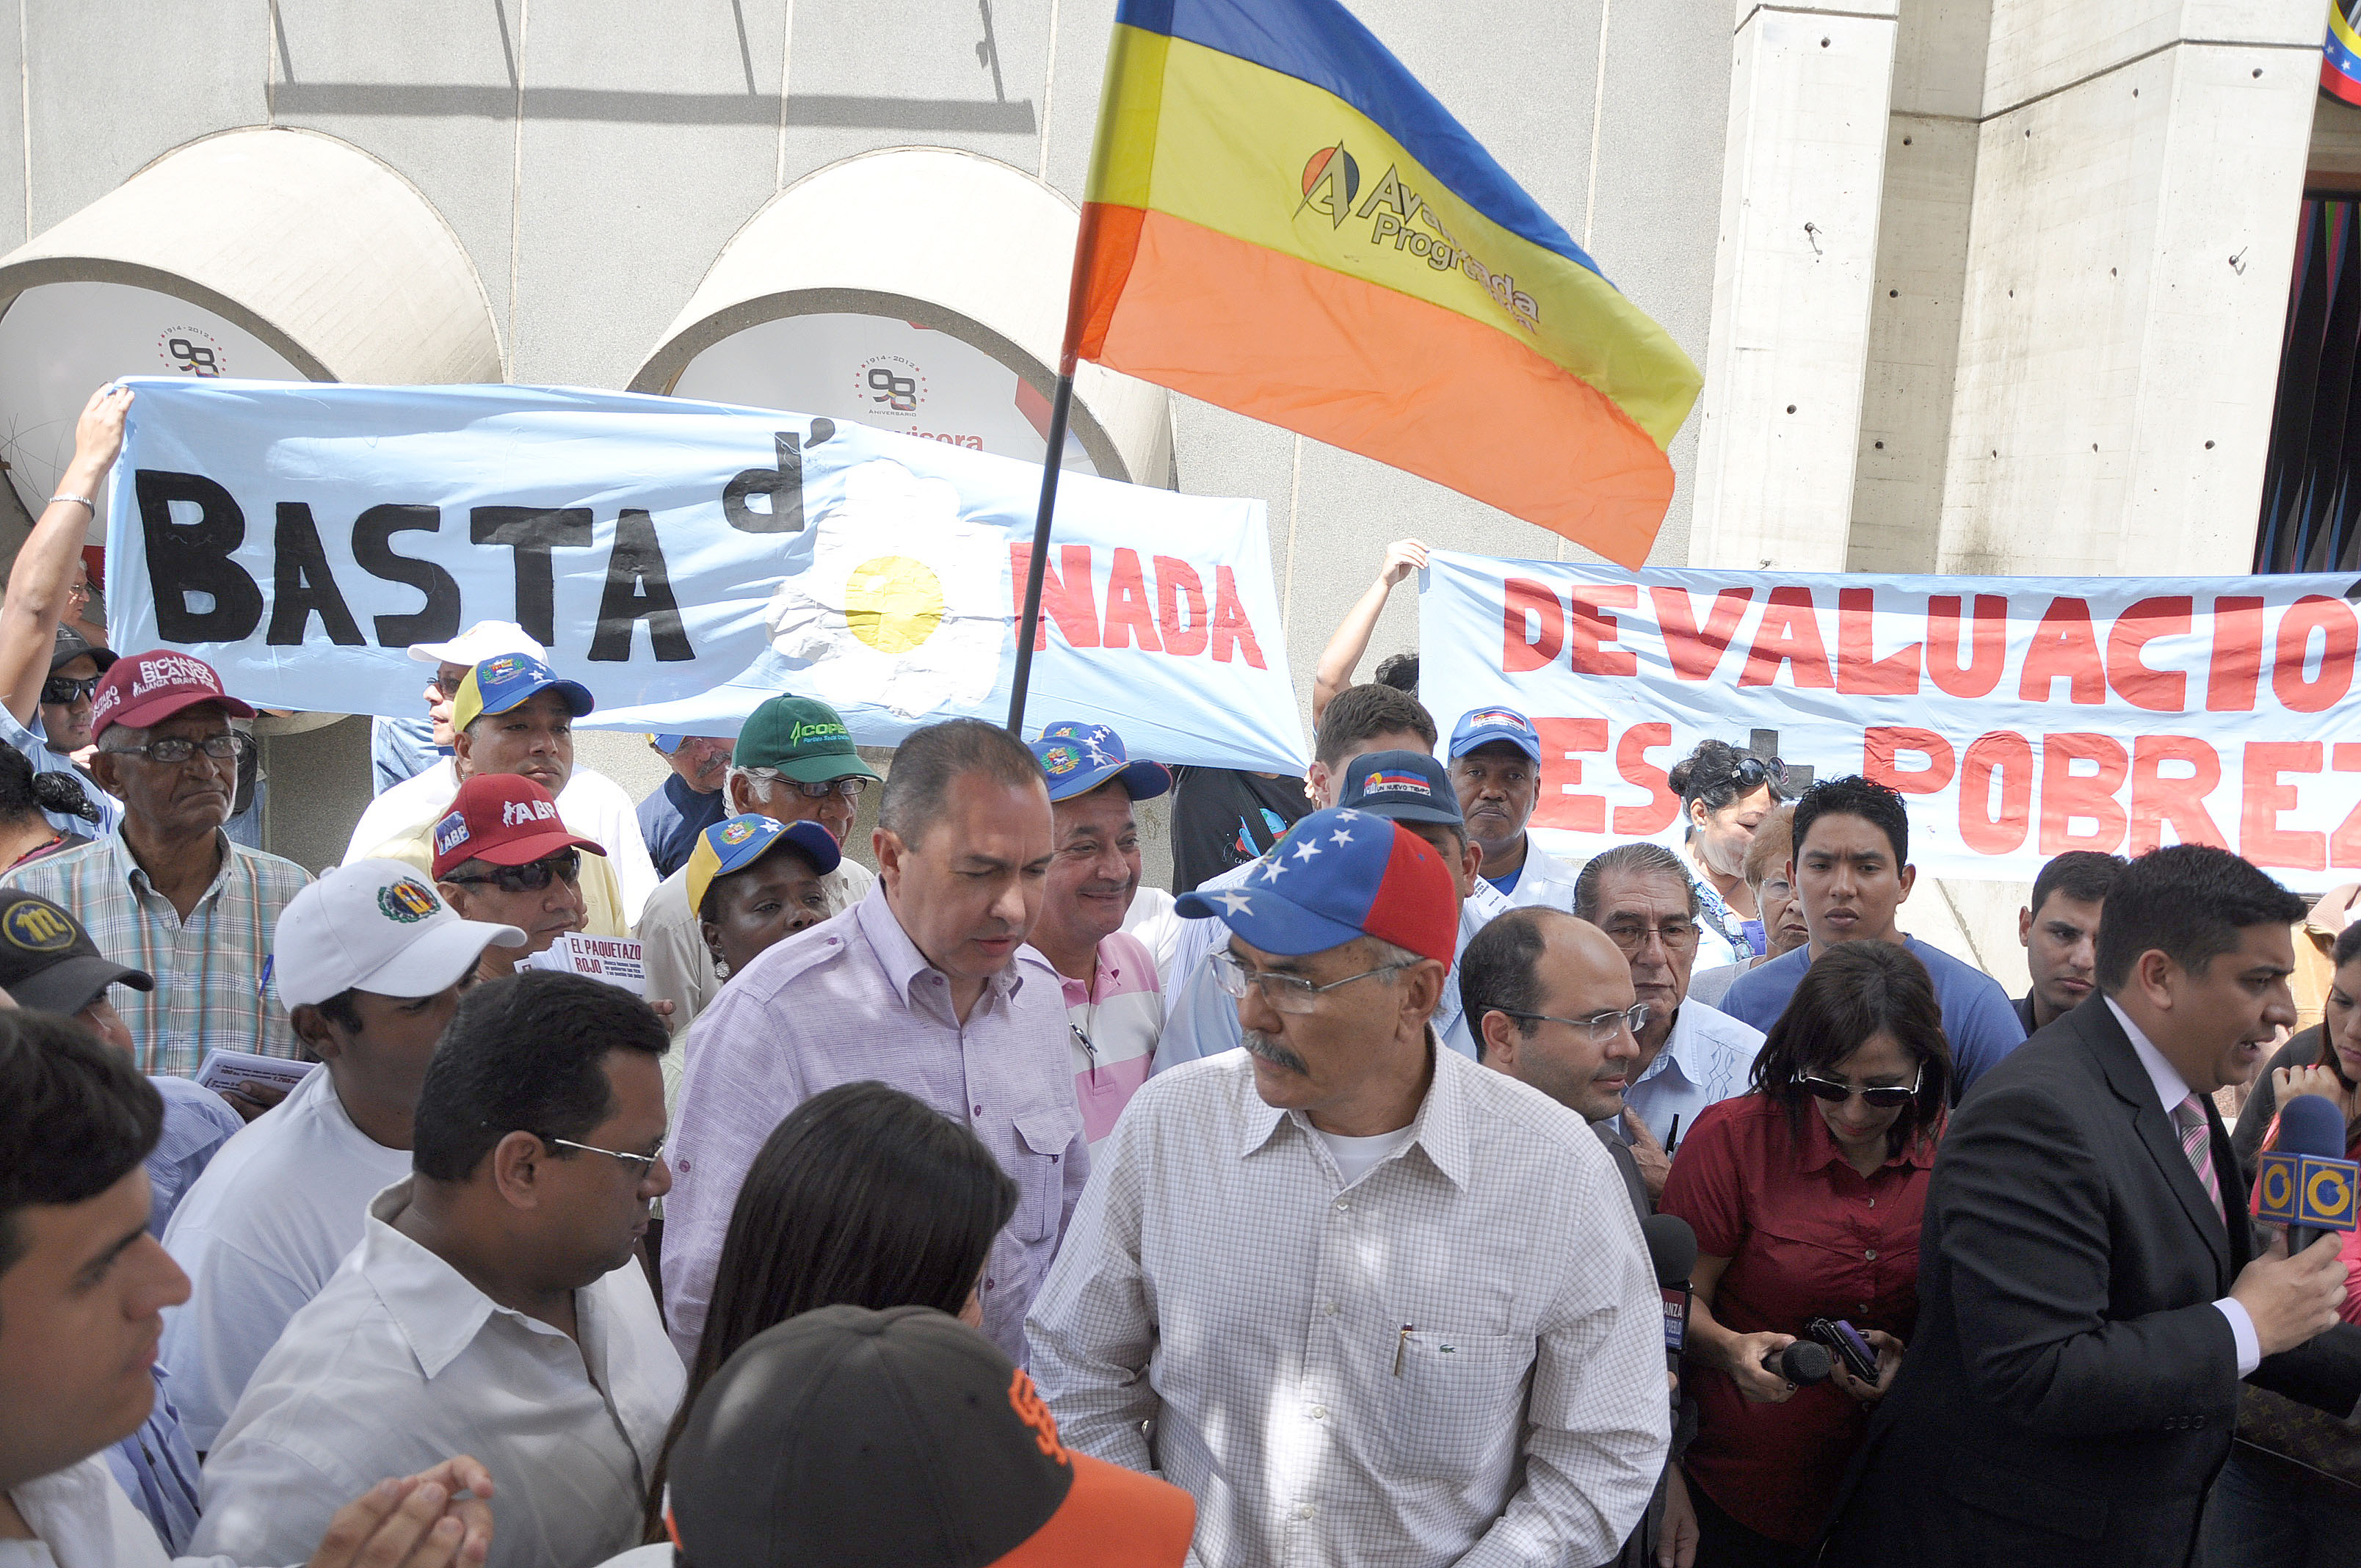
(1805, 1194)
(864, 1195)
(1725, 795)
(24, 833)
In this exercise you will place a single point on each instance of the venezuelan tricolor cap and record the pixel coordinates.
(1078, 758)
(1409, 786)
(734, 843)
(504, 680)
(1483, 725)
(864, 1439)
(1337, 876)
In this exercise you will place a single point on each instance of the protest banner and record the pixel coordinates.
(684, 560)
(2020, 716)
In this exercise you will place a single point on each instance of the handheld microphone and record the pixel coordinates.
(1801, 1363)
(1672, 1251)
(2311, 1138)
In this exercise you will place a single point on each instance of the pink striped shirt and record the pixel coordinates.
(1113, 1023)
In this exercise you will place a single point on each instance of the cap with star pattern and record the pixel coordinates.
(1078, 758)
(1339, 875)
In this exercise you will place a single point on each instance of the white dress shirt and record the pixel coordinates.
(259, 1234)
(1457, 1359)
(1543, 880)
(1707, 1057)
(591, 804)
(2172, 1089)
(400, 1363)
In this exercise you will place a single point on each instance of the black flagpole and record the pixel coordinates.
(1028, 624)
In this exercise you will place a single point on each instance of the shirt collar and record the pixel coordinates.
(1669, 1060)
(1440, 1128)
(899, 956)
(128, 867)
(1079, 993)
(432, 1303)
(2172, 1089)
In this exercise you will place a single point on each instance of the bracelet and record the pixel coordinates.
(81, 501)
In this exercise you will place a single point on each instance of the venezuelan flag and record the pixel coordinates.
(2340, 65)
(1281, 220)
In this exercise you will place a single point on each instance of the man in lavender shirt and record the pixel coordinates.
(925, 985)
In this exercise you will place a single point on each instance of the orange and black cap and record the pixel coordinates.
(875, 1440)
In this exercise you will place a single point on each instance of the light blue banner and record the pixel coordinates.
(685, 560)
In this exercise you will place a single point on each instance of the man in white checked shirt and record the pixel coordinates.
(1373, 1303)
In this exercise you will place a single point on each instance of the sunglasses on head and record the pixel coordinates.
(1886, 1097)
(531, 877)
(58, 691)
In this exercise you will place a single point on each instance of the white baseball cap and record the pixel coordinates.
(485, 639)
(376, 926)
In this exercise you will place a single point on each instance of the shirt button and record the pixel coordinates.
(1871, 1255)
(1872, 1202)
(990, 1282)
(1306, 1512)
(1330, 1309)
(1342, 1205)
(979, 1109)
(1319, 1412)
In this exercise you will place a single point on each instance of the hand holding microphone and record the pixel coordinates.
(2293, 1292)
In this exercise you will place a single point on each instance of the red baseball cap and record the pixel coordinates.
(502, 819)
(147, 688)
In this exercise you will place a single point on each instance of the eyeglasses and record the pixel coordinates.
(79, 592)
(1285, 992)
(174, 749)
(1885, 1097)
(641, 1163)
(1601, 1027)
(850, 786)
(58, 691)
(531, 877)
(1677, 935)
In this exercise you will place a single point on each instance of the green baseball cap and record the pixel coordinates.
(804, 740)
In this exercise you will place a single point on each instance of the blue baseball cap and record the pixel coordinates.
(504, 680)
(1409, 786)
(1482, 726)
(736, 842)
(1338, 875)
(1078, 758)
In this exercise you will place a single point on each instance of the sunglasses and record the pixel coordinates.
(58, 691)
(1887, 1097)
(531, 877)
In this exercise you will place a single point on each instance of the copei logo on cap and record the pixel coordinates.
(450, 833)
(35, 927)
(407, 900)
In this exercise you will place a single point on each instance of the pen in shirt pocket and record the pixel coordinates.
(262, 985)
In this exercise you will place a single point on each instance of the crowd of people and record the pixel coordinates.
(1397, 1193)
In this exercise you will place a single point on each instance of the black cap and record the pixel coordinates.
(48, 961)
(875, 1439)
(72, 646)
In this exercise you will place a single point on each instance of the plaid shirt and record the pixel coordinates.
(213, 972)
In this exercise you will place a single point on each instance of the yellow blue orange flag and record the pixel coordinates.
(1281, 220)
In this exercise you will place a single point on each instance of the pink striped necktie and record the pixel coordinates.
(2196, 1143)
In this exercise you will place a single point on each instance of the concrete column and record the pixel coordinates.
(1793, 272)
(2137, 180)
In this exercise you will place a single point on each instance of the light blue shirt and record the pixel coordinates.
(1979, 1019)
(400, 749)
(1203, 1020)
(156, 1468)
(1707, 1058)
(35, 743)
(197, 1122)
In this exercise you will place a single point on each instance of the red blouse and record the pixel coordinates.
(1807, 1236)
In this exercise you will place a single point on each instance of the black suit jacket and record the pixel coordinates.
(2072, 1388)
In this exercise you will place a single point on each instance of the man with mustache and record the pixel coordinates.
(1366, 1300)
(688, 801)
(171, 893)
(1496, 766)
(2061, 932)
(1690, 1055)
(1115, 1004)
(925, 984)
